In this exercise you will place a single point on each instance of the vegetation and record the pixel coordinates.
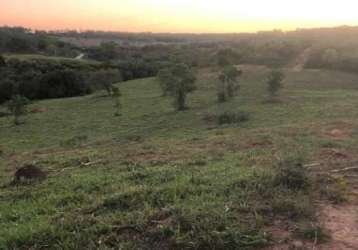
(17, 107)
(213, 177)
(160, 179)
(274, 83)
(116, 94)
(2, 61)
(177, 81)
(104, 79)
(228, 83)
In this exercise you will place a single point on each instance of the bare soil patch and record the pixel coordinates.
(342, 224)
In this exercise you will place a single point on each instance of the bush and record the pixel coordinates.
(17, 106)
(62, 83)
(274, 83)
(291, 174)
(2, 61)
(232, 117)
(7, 89)
(178, 81)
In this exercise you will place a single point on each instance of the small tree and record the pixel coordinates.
(17, 106)
(106, 78)
(116, 99)
(227, 57)
(228, 83)
(2, 61)
(274, 83)
(178, 81)
(165, 80)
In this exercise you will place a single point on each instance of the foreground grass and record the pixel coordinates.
(157, 179)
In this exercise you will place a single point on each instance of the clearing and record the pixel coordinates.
(158, 179)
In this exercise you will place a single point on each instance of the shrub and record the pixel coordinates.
(274, 83)
(2, 61)
(104, 79)
(7, 89)
(17, 106)
(116, 99)
(228, 86)
(291, 174)
(232, 117)
(62, 83)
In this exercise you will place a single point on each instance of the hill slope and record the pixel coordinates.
(157, 179)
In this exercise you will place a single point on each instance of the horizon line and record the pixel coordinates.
(78, 30)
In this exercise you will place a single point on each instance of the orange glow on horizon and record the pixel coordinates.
(177, 15)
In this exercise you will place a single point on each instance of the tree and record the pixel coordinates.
(227, 57)
(17, 107)
(274, 83)
(228, 83)
(106, 79)
(117, 102)
(108, 50)
(2, 61)
(178, 81)
(165, 80)
(62, 83)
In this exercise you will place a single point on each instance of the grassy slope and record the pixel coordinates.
(177, 180)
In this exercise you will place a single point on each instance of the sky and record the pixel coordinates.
(178, 16)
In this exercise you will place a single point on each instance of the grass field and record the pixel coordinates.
(154, 178)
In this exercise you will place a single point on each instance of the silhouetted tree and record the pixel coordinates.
(2, 61)
(117, 102)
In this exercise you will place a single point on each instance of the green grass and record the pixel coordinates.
(154, 178)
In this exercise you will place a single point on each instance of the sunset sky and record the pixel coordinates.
(178, 15)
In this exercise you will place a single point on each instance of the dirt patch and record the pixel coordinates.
(38, 110)
(340, 131)
(342, 224)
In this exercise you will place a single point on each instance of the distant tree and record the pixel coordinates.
(106, 78)
(227, 57)
(178, 81)
(108, 50)
(274, 83)
(2, 61)
(117, 102)
(165, 80)
(330, 56)
(62, 83)
(17, 107)
(7, 89)
(228, 83)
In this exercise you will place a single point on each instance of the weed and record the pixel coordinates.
(291, 174)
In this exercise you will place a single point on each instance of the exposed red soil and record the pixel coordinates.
(342, 224)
